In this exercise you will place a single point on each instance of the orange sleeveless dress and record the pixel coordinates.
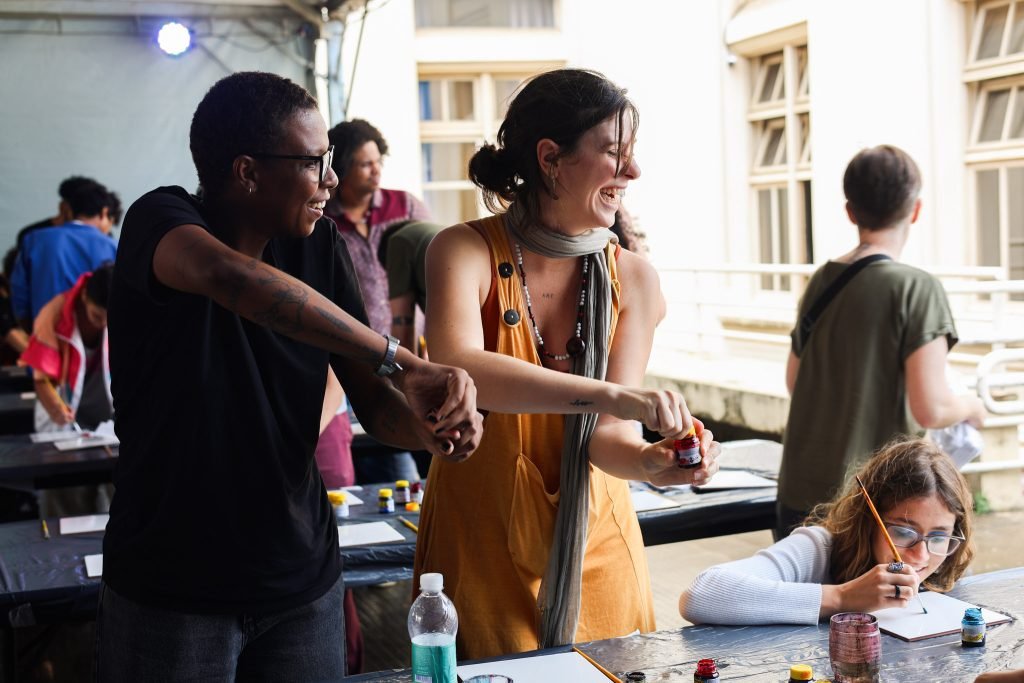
(487, 523)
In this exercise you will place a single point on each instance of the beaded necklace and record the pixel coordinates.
(575, 346)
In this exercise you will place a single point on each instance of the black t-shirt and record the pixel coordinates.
(219, 506)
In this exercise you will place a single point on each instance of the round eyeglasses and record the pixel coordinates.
(937, 544)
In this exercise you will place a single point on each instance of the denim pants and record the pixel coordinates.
(139, 643)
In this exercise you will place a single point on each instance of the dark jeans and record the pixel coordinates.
(139, 643)
(786, 519)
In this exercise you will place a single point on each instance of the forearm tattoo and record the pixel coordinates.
(580, 403)
(344, 330)
(285, 313)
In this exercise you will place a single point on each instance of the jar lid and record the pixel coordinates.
(412, 507)
(401, 484)
(384, 493)
(336, 497)
(801, 672)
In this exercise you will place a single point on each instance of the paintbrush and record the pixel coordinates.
(885, 532)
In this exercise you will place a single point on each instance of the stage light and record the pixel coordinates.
(174, 38)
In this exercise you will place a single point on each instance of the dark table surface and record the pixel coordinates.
(17, 412)
(14, 379)
(765, 653)
(42, 465)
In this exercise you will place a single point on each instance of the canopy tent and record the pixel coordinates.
(86, 90)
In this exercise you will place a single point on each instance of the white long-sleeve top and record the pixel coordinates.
(778, 585)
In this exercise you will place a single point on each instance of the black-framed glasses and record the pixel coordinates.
(324, 159)
(937, 544)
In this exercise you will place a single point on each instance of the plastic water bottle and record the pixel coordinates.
(433, 624)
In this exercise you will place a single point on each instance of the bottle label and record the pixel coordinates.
(434, 663)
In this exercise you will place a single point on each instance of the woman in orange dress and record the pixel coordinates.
(536, 536)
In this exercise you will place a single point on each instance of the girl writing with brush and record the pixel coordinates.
(840, 560)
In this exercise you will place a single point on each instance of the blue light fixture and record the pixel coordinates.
(174, 38)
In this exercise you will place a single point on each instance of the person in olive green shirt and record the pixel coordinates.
(403, 253)
(874, 367)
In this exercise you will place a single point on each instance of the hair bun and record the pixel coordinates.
(491, 169)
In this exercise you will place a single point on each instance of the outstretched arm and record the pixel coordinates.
(191, 260)
(458, 278)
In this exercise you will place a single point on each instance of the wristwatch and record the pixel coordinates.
(388, 366)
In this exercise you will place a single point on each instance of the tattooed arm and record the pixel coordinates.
(190, 259)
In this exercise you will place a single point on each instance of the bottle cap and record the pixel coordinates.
(432, 582)
(636, 677)
(336, 497)
(384, 493)
(706, 667)
(801, 672)
(416, 486)
(412, 507)
(401, 484)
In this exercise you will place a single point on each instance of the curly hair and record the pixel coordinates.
(881, 184)
(241, 114)
(559, 105)
(898, 472)
(347, 137)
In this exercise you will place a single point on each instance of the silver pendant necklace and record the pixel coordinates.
(575, 346)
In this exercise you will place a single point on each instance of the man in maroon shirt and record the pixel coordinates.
(363, 212)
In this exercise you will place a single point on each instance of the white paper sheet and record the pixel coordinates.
(944, 616)
(50, 437)
(367, 534)
(86, 441)
(93, 566)
(27, 395)
(564, 666)
(647, 500)
(83, 524)
(736, 479)
(350, 498)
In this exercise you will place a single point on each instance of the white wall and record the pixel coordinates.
(384, 89)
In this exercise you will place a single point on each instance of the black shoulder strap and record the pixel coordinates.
(811, 317)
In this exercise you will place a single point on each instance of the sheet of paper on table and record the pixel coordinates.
(736, 479)
(647, 500)
(83, 524)
(350, 498)
(367, 534)
(564, 666)
(50, 437)
(86, 441)
(93, 565)
(944, 616)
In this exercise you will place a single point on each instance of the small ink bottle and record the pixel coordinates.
(706, 671)
(385, 503)
(339, 502)
(402, 495)
(688, 450)
(412, 507)
(800, 672)
(417, 492)
(636, 677)
(972, 628)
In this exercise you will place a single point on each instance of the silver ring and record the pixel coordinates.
(897, 595)
(895, 567)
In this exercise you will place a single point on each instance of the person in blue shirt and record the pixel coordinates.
(50, 260)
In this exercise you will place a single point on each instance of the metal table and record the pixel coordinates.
(765, 653)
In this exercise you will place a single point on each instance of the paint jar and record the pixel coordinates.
(339, 501)
(402, 495)
(688, 450)
(855, 647)
(385, 502)
(412, 507)
(800, 673)
(972, 628)
(636, 677)
(706, 671)
(417, 492)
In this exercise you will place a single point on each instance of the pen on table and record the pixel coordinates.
(409, 524)
(46, 529)
(885, 532)
(600, 668)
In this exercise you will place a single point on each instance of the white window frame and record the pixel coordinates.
(796, 169)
